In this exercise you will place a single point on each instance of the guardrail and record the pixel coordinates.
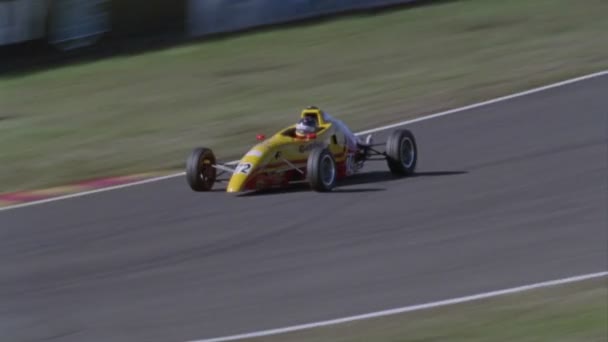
(206, 17)
(60, 22)
(75, 23)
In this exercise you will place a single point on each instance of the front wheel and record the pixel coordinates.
(321, 170)
(401, 152)
(200, 173)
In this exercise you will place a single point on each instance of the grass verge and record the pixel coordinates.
(146, 112)
(568, 313)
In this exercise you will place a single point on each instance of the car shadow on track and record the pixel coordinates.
(296, 188)
(387, 176)
(358, 179)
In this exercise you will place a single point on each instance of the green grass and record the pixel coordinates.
(146, 112)
(568, 313)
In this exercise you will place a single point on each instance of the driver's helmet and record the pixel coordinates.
(306, 126)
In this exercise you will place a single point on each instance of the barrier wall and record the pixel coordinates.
(74, 23)
(22, 20)
(77, 23)
(67, 23)
(136, 18)
(218, 16)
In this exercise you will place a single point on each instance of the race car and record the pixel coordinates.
(319, 150)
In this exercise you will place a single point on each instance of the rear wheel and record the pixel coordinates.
(401, 152)
(321, 170)
(199, 170)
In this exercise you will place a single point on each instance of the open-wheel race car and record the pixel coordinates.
(319, 150)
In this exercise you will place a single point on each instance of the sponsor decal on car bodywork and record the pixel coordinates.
(243, 168)
(310, 147)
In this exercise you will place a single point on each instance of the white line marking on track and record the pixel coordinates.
(405, 309)
(90, 192)
(489, 102)
(377, 129)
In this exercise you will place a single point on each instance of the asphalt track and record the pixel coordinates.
(507, 194)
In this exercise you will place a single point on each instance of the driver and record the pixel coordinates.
(305, 126)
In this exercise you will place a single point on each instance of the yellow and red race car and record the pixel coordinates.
(319, 150)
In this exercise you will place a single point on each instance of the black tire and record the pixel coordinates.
(199, 172)
(321, 171)
(401, 152)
